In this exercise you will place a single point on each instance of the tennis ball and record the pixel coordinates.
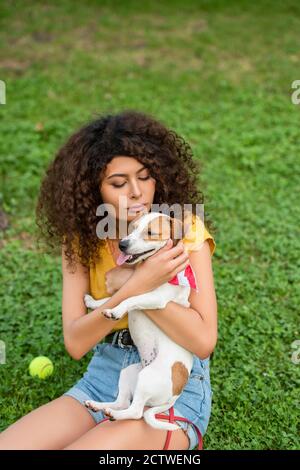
(41, 366)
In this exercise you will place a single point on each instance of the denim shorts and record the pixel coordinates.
(100, 383)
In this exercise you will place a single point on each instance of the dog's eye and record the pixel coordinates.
(153, 236)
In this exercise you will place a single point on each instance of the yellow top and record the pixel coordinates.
(192, 240)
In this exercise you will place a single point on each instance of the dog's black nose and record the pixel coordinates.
(123, 244)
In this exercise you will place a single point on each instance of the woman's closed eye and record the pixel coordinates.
(115, 185)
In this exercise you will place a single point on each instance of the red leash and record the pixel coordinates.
(172, 419)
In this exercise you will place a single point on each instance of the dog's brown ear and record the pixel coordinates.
(176, 232)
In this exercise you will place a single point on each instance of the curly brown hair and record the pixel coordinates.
(69, 193)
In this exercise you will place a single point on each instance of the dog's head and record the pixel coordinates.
(150, 232)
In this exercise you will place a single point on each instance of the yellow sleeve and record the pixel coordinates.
(196, 235)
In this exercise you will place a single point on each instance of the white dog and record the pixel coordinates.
(158, 380)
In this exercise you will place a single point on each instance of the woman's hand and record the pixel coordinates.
(159, 268)
(116, 277)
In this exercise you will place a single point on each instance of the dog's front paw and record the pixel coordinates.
(112, 313)
(93, 405)
(89, 301)
(107, 313)
(109, 413)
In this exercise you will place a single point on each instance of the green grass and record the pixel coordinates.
(220, 74)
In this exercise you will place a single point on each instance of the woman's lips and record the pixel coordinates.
(136, 208)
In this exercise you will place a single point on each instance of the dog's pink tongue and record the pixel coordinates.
(122, 258)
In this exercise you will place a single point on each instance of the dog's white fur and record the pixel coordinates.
(165, 366)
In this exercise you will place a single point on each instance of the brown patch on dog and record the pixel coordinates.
(162, 228)
(180, 377)
(157, 229)
(176, 230)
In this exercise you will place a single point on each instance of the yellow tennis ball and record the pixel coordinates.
(41, 366)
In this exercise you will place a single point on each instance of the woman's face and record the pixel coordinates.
(127, 177)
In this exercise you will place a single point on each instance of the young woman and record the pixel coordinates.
(132, 155)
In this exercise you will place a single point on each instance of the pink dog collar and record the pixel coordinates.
(185, 278)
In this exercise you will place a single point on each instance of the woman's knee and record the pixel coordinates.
(50, 426)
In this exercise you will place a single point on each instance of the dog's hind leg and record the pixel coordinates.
(135, 410)
(149, 416)
(127, 384)
(150, 384)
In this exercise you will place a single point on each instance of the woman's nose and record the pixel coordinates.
(135, 189)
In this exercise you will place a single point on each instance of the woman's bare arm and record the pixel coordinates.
(194, 327)
(82, 331)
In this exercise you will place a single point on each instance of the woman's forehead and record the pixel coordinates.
(122, 164)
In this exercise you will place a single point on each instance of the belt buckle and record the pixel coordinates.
(120, 339)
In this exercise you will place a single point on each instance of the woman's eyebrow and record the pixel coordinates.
(124, 174)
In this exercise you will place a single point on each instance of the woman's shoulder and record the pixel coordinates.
(196, 234)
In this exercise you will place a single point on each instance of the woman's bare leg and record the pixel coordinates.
(51, 426)
(130, 435)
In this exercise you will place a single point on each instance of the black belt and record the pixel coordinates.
(120, 337)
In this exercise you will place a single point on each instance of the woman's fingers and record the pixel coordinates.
(168, 252)
(167, 247)
(175, 251)
(179, 260)
(179, 268)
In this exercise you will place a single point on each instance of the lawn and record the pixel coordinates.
(220, 74)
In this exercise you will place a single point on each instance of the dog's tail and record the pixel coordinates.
(149, 416)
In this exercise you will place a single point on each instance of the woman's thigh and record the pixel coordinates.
(51, 426)
(128, 435)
